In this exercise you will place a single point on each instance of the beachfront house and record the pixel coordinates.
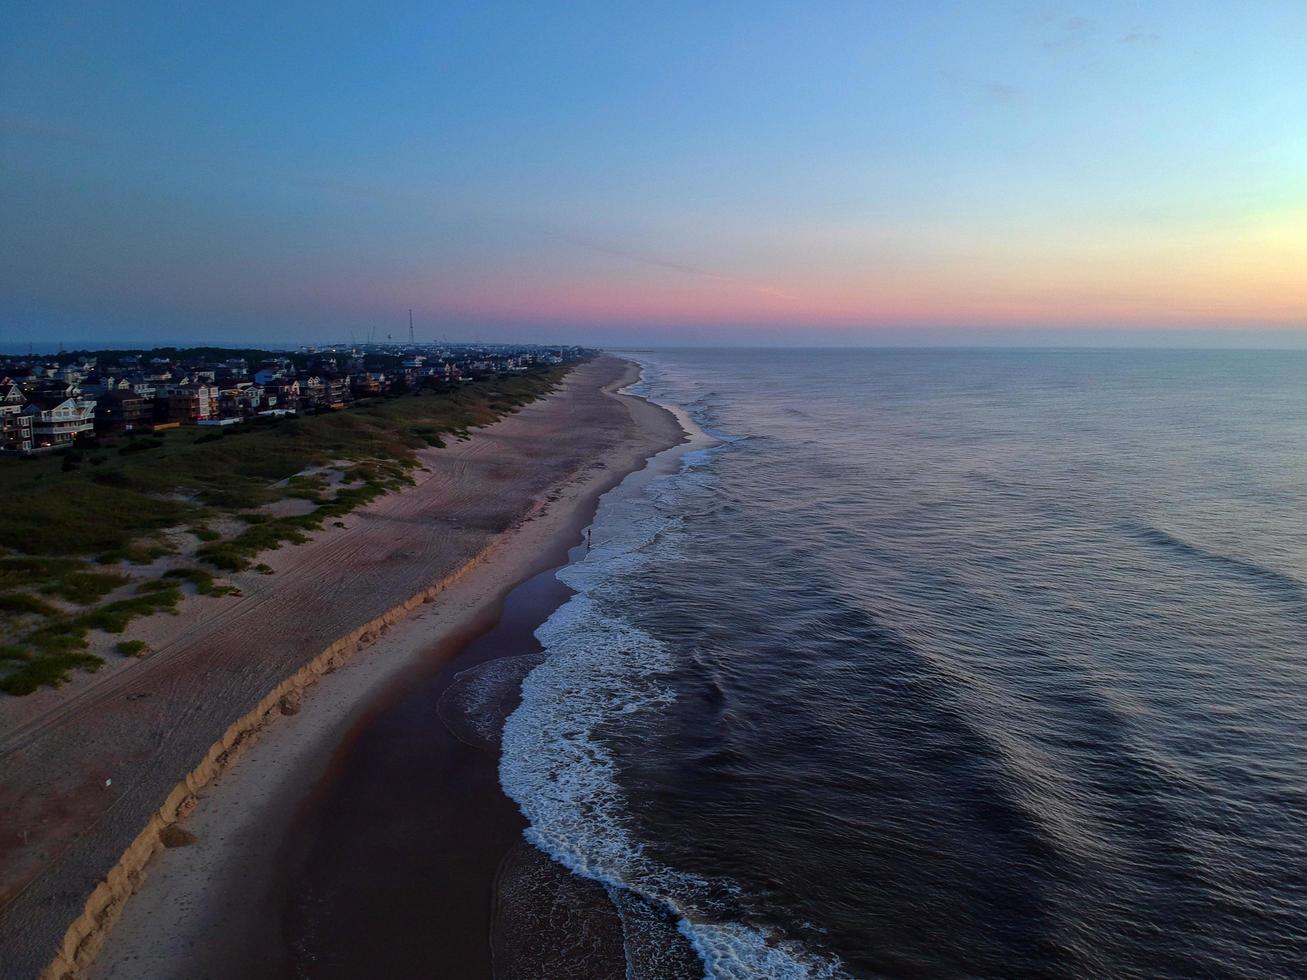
(239, 400)
(364, 385)
(122, 410)
(189, 402)
(338, 393)
(15, 429)
(58, 422)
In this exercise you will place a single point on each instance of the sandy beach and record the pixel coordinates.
(219, 908)
(88, 768)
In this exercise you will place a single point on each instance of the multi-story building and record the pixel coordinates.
(364, 385)
(239, 400)
(58, 422)
(313, 391)
(189, 402)
(285, 392)
(338, 392)
(123, 411)
(15, 429)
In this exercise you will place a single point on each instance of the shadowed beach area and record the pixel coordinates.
(88, 768)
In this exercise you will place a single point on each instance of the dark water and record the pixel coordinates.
(946, 663)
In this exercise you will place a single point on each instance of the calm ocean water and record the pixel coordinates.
(943, 663)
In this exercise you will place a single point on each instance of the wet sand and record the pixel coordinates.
(390, 867)
(362, 840)
(488, 505)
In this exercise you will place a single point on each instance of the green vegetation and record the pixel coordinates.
(141, 445)
(84, 588)
(430, 435)
(136, 553)
(59, 514)
(133, 648)
(172, 479)
(114, 617)
(27, 570)
(47, 655)
(269, 534)
(154, 585)
(51, 670)
(306, 487)
(20, 603)
(202, 580)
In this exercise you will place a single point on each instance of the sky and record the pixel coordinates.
(655, 173)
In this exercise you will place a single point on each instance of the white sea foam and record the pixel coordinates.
(554, 765)
(734, 951)
(473, 707)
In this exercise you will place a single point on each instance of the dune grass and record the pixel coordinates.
(84, 588)
(132, 648)
(22, 604)
(115, 509)
(49, 670)
(174, 478)
(202, 580)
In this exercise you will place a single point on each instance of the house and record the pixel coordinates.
(104, 385)
(338, 392)
(189, 402)
(364, 385)
(123, 411)
(15, 426)
(58, 422)
(287, 393)
(239, 400)
(313, 391)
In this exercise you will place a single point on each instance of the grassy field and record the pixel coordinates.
(76, 527)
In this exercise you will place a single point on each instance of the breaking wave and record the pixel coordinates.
(556, 766)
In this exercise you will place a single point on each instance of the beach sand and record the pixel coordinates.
(364, 838)
(499, 505)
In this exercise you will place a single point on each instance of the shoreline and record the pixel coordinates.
(410, 859)
(195, 899)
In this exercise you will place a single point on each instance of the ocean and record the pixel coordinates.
(946, 663)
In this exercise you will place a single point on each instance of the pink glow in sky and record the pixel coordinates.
(610, 172)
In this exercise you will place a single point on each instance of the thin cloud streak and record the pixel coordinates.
(1001, 93)
(658, 262)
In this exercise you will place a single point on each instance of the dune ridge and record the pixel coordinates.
(88, 931)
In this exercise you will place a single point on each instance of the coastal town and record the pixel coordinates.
(131, 472)
(53, 402)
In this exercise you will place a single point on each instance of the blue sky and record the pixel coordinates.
(734, 172)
